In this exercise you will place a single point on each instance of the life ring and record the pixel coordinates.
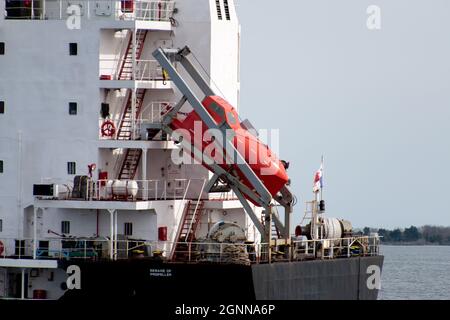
(108, 129)
(2, 248)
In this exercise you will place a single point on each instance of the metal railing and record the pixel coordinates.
(145, 10)
(69, 248)
(162, 189)
(48, 9)
(335, 248)
(155, 111)
(223, 196)
(133, 190)
(146, 70)
(140, 10)
(197, 204)
(152, 113)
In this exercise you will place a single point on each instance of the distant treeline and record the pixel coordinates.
(414, 235)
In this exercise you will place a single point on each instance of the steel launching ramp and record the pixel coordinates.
(258, 192)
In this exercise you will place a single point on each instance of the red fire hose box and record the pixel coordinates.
(127, 5)
(162, 233)
(103, 176)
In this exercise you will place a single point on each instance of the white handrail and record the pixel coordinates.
(120, 55)
(146, 69)
(145, 10)
(94, 248)
(196, 207)
(153, 111)
(183, 200)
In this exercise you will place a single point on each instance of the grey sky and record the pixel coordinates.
(375, 103)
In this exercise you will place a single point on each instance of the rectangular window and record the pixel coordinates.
(227, 9)
(73, 108)
(2, 106)
(1, 166)
(2, 48)
(1, 225)
(65, 227)
(71, 168)
(219, 10)
(43, 248)
(128, 229)
(73, 49)
(19, 248)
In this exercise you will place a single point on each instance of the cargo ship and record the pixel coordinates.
(125, 170)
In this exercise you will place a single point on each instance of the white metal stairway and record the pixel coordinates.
(125, 132)
(130, 164)
(186, 232)
(126, 65)
(275, 233)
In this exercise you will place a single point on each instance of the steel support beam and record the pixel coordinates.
(279, 224)
(133, 114)
(268, 231)
(196, 76)
(287, 222)
(22, 285)
(35, 210)
(211, 124)
(115, 235)
(144, 173)
(173, 113)
(248, 209)
(232, 180)
(259, 193)
(111, 233)
(212, 182)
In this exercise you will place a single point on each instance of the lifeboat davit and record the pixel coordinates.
(260, 158)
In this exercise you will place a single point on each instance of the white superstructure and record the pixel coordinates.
(68, 67)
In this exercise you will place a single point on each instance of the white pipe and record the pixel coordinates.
(111, 246)
(133, 111)
(35, 232)
(196, 207)
(19, 185)
(134, 53)
(115, 234)
(144, 173)
(22, 293)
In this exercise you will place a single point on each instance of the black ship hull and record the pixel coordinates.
(338, 279)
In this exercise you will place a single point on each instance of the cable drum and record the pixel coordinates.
(332, 229)
(225, 243)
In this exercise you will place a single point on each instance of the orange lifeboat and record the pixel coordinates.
(260, 158)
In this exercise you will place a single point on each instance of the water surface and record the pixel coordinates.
(415, 272)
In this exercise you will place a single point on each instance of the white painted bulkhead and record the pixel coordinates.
(38, 136)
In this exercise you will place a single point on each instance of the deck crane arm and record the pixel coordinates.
(255, 190)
